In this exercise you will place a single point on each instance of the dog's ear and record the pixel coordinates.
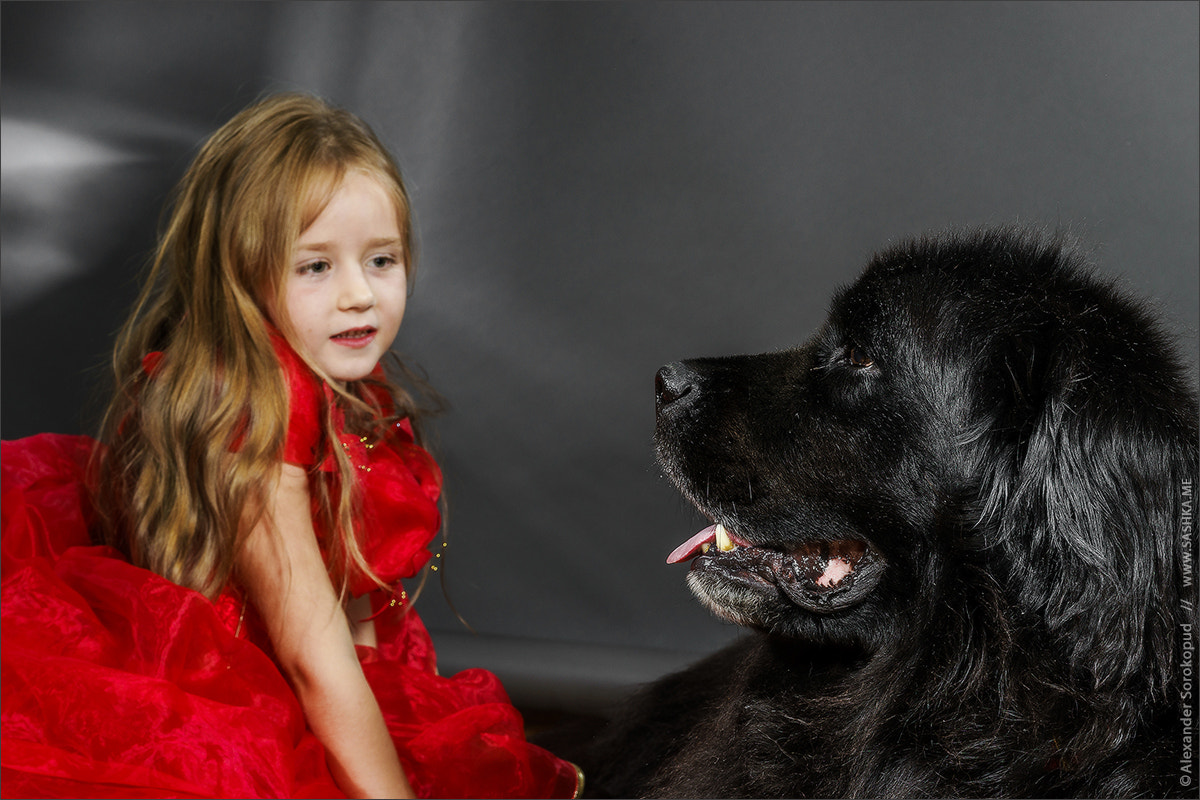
(1087, 509)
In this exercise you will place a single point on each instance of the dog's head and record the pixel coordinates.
(978, 421)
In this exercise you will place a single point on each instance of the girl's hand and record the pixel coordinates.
(286, 579)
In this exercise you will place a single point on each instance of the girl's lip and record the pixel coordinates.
(354, 337)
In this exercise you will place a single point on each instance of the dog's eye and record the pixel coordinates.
(860, 357)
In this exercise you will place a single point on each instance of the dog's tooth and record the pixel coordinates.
(724, 543)
(704, 547)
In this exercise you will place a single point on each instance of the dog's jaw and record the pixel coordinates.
(736, 578)
(746, 583)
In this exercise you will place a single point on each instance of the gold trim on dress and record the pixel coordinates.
(579, 781)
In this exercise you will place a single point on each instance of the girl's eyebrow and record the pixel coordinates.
(324, 247)
(387, 241)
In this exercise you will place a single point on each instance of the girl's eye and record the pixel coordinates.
(314, 267)
(860, 358)
(383, 262)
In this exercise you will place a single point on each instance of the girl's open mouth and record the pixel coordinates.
(355, 337)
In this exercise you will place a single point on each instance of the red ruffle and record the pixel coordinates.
(400, 482)
(119, 683)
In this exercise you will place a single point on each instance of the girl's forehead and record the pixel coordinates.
(323, 186)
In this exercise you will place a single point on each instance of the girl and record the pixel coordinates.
(226, 619)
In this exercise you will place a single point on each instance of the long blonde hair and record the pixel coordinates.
(189, 453)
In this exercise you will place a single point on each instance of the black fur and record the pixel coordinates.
(1010, 437)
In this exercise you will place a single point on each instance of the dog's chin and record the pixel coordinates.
(804, 593)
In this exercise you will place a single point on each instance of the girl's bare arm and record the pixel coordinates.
(286, 579)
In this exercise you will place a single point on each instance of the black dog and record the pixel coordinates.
(958, 519)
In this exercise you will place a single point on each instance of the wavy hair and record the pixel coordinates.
(190, 453)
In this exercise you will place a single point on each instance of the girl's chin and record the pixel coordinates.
(342, 374)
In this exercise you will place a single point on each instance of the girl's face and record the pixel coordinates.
(347, 284)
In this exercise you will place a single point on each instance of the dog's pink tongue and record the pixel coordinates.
(692, 546)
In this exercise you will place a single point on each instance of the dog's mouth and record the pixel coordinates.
(819, 576)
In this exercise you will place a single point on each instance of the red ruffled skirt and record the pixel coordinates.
(119, 683)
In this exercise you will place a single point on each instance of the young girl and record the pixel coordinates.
(213, 608)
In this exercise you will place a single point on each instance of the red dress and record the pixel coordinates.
(118, 683)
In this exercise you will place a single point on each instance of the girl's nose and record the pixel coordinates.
(355, 291)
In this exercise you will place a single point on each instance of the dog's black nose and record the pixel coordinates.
(672, 382)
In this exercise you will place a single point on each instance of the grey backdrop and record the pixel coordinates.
(599, 189)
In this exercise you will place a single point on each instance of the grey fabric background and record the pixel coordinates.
(599, 189)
